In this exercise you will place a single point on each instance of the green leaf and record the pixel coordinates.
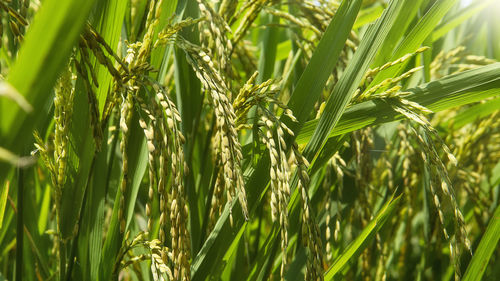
(109, 26)
(447, 92)
(3, 201)
(112, 242)
(6, 90)
(79, 160)
(400, 26)
(137, 162)
(477, 111)
(210, 252)
(46, 48)
(283, 50)
(160, 55)
(423, 27)
(9, 157)
(368, 15)
(458, 18)
(44, 211)
(91, 230)
(268, 48)
(323, 60)
(263, 264)
(361, 242)
(349, 81)
(108, 23)
(487, 246)
(415, 38)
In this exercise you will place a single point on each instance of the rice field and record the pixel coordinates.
(249, 140)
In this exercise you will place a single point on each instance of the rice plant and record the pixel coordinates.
(249, 140)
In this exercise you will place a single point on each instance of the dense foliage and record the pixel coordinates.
(249, 140)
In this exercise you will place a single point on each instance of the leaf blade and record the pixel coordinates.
(357, 245)
(487, 246)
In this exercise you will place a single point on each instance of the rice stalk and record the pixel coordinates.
(253, 9)
(310, 231)
(226, 136)
(280, 187)
(214, 36)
